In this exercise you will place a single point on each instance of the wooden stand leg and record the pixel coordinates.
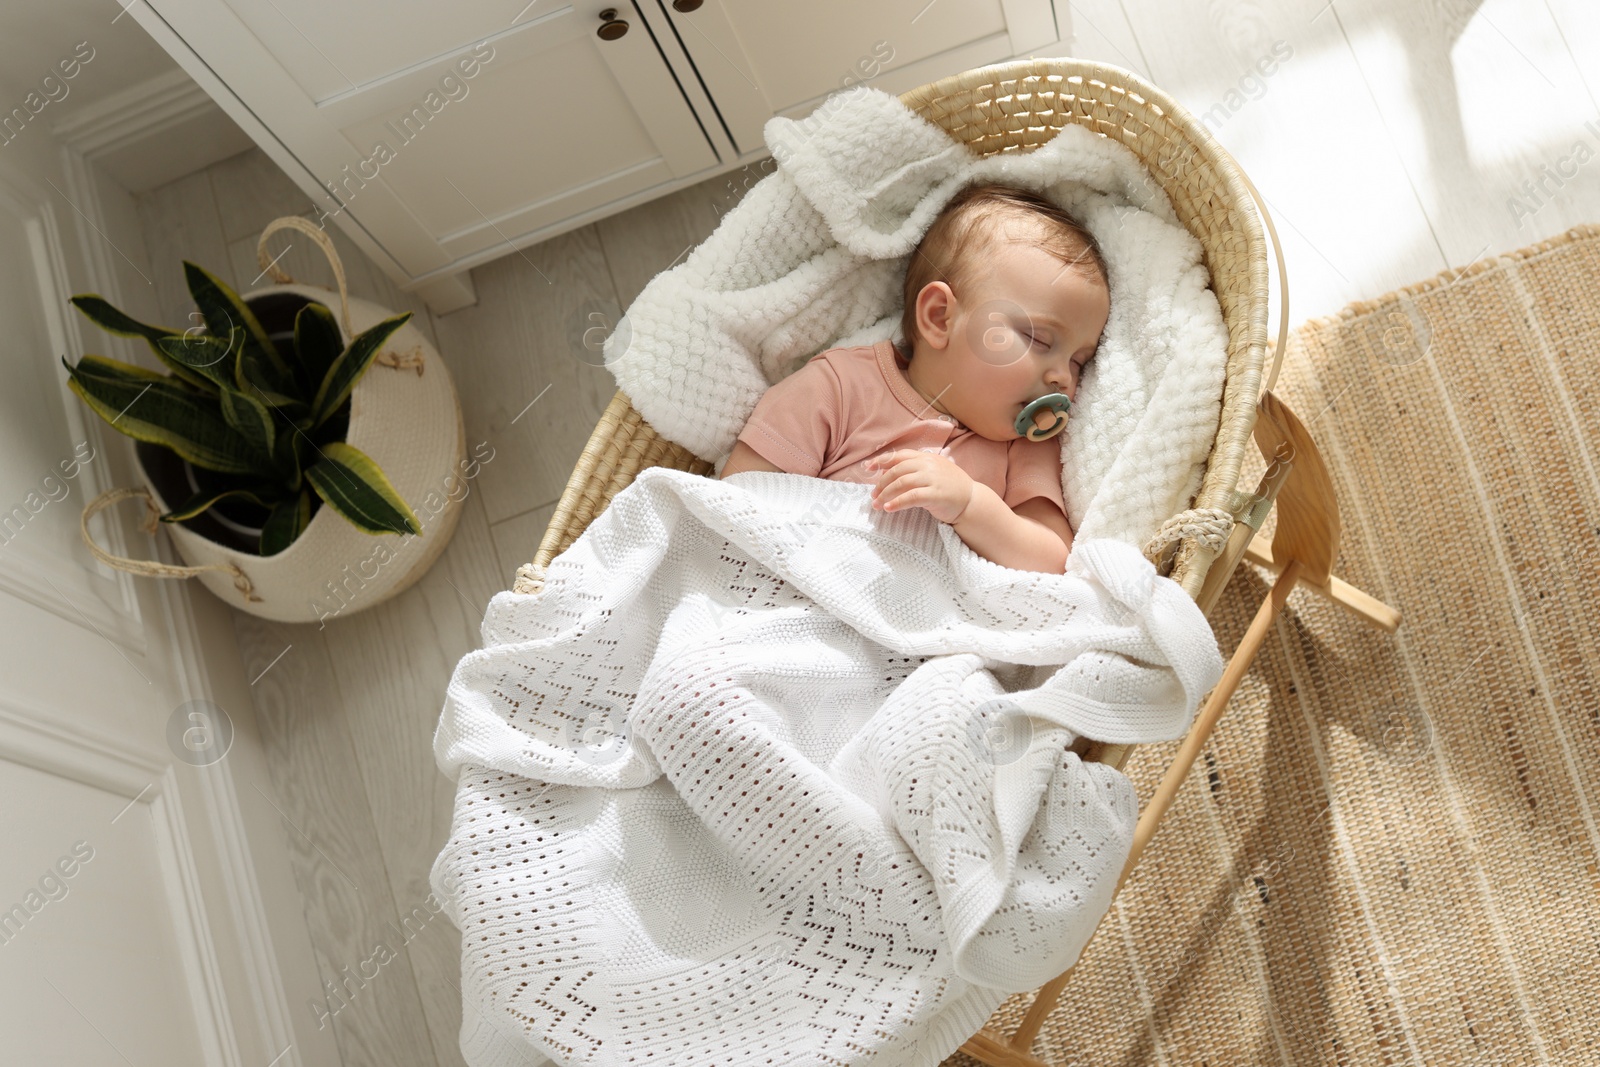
(1366, 607)
(995, 1049)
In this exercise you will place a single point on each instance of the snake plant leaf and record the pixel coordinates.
(102, 367)
(102, 314)
(210, 357)
(289, 412)
(269, 397)
(288, 521)
(350, 366)
(288, 452)
(252, 419)
(348, 480)
(318, 343)
(337, 428)
(251, 376)
(163, 412)
(222, 310)
(204, 499)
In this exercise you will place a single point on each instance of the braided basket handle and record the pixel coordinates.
(1208, 527)
(151, 568)
(270, 265)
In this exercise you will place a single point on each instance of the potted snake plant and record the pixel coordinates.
(276, 450)
(260, 430)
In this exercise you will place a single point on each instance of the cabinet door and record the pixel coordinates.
(450, 131)
(760, 59)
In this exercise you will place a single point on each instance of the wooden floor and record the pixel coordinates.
(1392, 140)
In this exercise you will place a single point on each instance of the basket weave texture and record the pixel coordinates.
(1016, 107)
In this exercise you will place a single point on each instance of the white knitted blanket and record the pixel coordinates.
(763, 776)
(814, 255)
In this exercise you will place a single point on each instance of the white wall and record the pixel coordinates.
(93, 75)
(183, 939)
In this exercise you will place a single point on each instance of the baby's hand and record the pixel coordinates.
(913, 478)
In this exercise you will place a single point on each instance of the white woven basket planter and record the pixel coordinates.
(404, 413)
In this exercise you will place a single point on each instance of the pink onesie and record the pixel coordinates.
(846, 405)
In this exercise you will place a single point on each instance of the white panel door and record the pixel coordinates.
(91, 970)
(100, 957)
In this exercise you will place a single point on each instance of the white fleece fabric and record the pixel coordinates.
(761, 776)
(813, 257)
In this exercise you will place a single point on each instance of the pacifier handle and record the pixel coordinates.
(1057, 402)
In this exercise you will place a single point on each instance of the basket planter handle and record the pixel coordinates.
(269, 265)
(152, 568)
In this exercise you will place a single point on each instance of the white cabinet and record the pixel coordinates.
(759, 59)
(443, 136)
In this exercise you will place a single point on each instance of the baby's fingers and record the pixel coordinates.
(886, 495)
(898, 462)
(905, 499)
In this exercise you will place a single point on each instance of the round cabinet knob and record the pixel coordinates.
(611, 27)
(686, 6)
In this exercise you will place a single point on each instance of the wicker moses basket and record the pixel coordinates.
(1015, 107)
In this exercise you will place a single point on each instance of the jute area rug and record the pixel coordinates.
(1387, 852)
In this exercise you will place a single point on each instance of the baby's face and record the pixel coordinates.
(1026, 329)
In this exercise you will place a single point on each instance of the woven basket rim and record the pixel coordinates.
(1098, 95)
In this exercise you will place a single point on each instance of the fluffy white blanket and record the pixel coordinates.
(814, 256)
(763, 776)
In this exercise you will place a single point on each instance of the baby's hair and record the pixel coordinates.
(960, 236)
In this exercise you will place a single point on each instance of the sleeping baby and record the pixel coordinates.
(1006, 297)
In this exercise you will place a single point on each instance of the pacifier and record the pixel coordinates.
(1057, 402)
